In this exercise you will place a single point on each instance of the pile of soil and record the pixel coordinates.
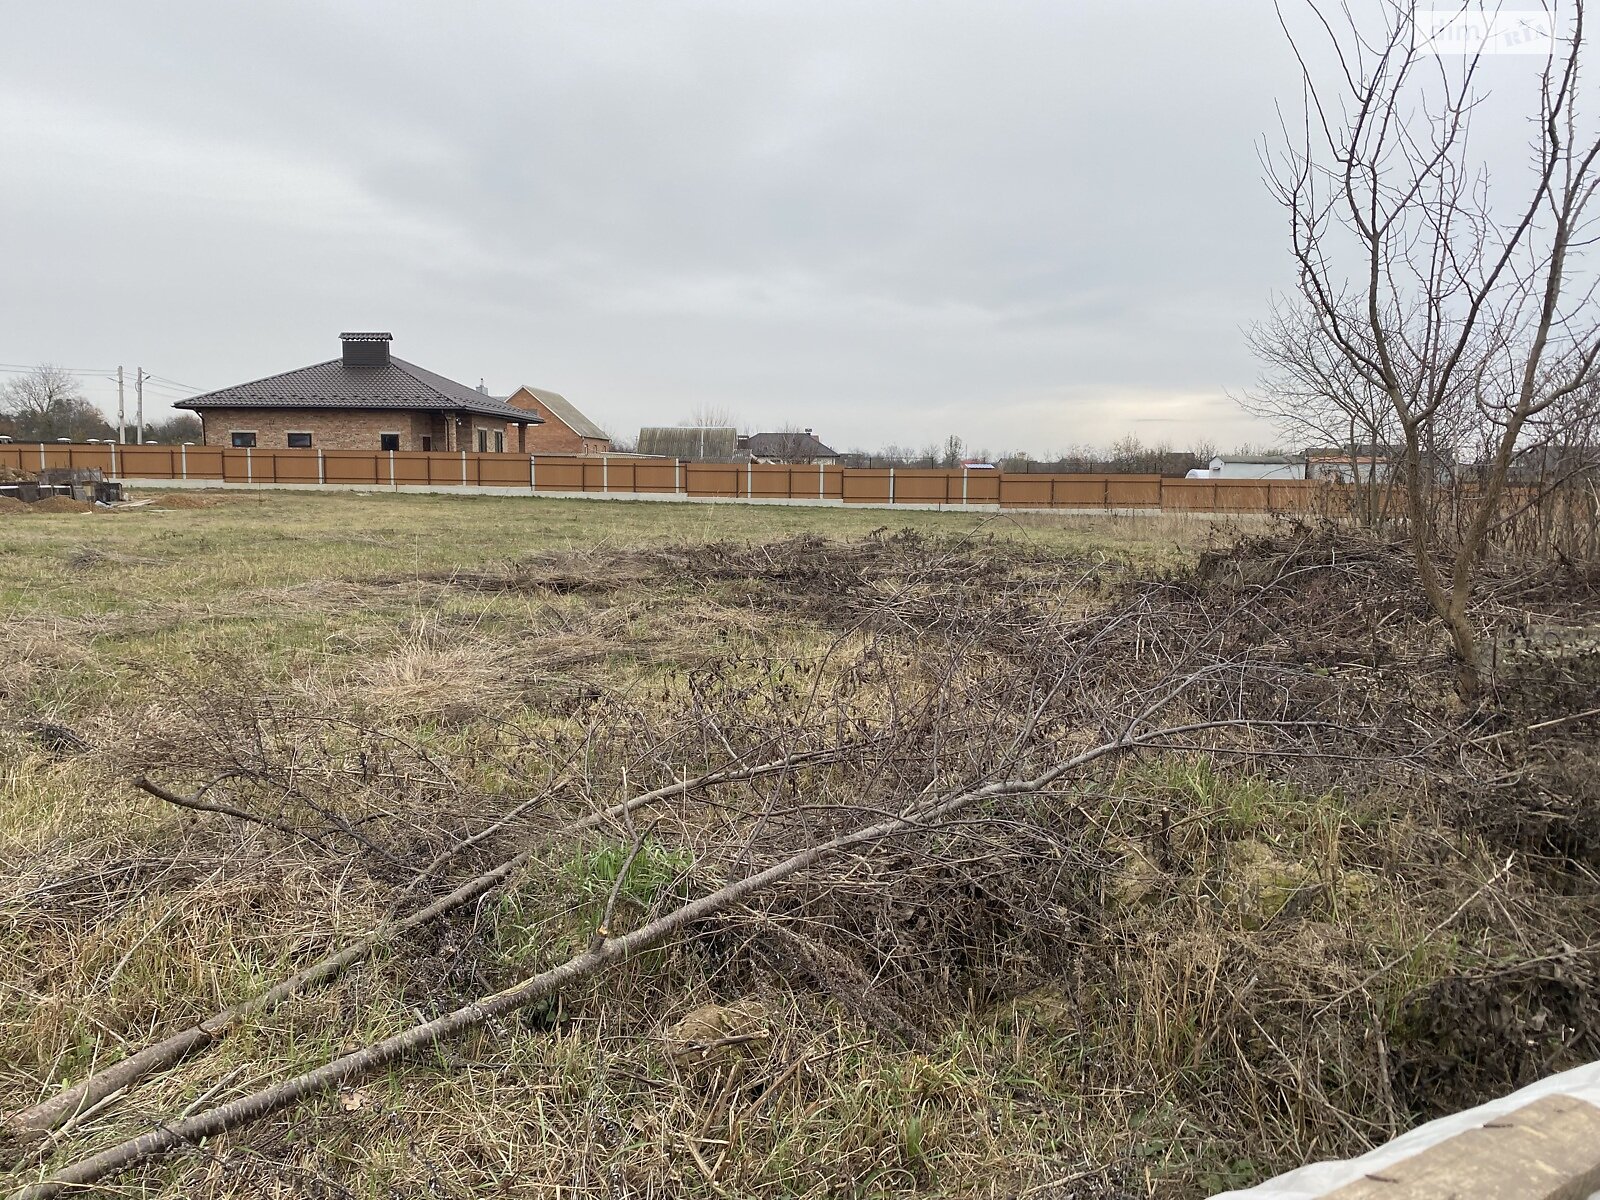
(15, 475)
(187, 500)
(61, 504)
(9, 504)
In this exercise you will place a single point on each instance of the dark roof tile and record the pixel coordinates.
(335, 384)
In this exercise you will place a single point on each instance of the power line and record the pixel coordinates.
(175, 383)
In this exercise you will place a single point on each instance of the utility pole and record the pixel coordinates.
(138, 391)
(122, 419)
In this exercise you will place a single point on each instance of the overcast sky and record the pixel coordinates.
(1031, 224)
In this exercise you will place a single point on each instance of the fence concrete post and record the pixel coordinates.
(891, 485)
(183, 459)
(822, 482)
(41, 456)
(391, 468)
(605, 472)
(249, 466)
(677, 477)
(749, 480)
(533, 472)
(322, 469)
(463, 468)
(963, 485)
(114, 460)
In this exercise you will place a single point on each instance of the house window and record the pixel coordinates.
(499, 441)
(299, 441)
(427, 443)
(388, 441)
(243, 439)
(483, 441)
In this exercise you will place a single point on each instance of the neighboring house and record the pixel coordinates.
(1260, 466)
(565, 429)
(1372, 463)
(1366, 463)
(1554, 464)
(365, 399)
(692, 443)
(791, 446)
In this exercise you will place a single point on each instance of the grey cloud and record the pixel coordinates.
(1028, 223)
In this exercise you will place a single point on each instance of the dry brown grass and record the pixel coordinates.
(1159, 981)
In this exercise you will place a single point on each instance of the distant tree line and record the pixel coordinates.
(1126, 456)
(46, 404)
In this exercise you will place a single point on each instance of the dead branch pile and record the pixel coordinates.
(1225, 838)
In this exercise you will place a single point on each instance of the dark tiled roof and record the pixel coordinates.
(563, 410)
(333, 384)
(788, 445)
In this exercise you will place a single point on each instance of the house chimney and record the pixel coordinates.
(483, 388)
(365, 349)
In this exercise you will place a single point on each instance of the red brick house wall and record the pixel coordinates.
(555, 436)
(351, 429)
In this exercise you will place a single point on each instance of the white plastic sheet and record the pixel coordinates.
(1318, 1179)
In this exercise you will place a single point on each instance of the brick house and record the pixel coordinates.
(365, 399)
(565, 430)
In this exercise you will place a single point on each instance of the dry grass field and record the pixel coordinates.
(1294, 898)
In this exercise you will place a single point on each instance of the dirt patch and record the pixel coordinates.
(187, 500)
(62, 504)
(11, 505)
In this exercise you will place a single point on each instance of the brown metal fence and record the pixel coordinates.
(617, 474)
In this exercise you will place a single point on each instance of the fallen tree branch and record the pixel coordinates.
(601, 953)
(198, 803)
(36, 1121)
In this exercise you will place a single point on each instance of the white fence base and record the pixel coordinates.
(422, 489)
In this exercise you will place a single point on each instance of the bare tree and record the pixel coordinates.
(707, 415)
(47, 403)
(1458, 308)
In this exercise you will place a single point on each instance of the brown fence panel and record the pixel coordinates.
(1243, 495)
(653, 475)
(90, 458)
(411, 467)
(198, 462)
(556, 474)
(628, 474)
(866, 485)
(1290, 495)
(154, 462)
(1134, 491)
(621, 476)
(285, 466)
(350, 466)
(1189, 495)
(1036, 491)
(713, 479)
(502, 470)
(769, 481)
(923, 486)
(978, 487)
